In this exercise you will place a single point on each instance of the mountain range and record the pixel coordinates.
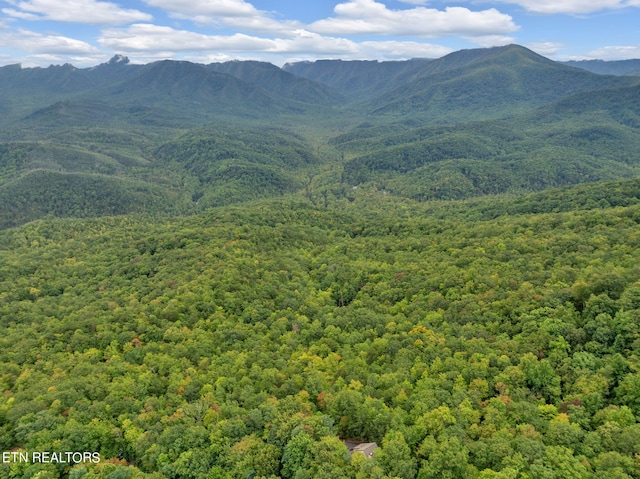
(616, 67)
(175, 136)
(231, 270)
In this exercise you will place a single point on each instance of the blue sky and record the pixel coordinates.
(88, 32)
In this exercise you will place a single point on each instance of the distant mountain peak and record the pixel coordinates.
(115, 61)
(118, 59)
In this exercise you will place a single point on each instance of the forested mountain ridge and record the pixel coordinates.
(587, 137)
(615, 67)
(224, 271)
(261, 87)
(279, 81)
(520, 70)
(114, 119)
(492, 83)
(165, 86)
(356, 79)
(119, 172)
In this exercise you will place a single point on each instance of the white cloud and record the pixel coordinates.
(371, 17)
(154, 40)
(304, 41)
(47, 59)
(258, 24)
(545, 48)
(487, 41)
(149, 38)
(400, 50)
(576, 7)
(74, 11)
(621, 52)
(391, 50)
(38, 43)
(223, 8)
(20, 15)
(232, 13)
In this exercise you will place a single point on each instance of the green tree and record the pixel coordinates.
(252, 457)
(445, 458)
(558, 463)
(395, 456)
(296, 455)
(329, 460)
(628, 393)
(540, 376)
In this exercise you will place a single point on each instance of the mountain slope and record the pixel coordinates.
(191, 90)
(601, 67)
(56, 79)
(44, 192)
(278, 81)
(585, 138)
(93, 171)
(234, 165)
(487, 83)
(358, 78)
(23, 89)
(170, 93)
(538, 124)
(117, 69)
(619, 104)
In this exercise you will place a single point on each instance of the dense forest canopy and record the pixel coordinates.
(207, 274)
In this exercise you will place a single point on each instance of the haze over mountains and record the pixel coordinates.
(474, 122)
